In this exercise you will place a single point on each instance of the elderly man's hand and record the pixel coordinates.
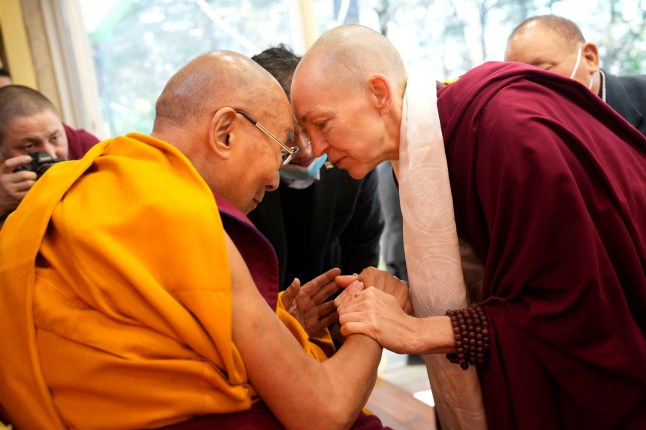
(384, 281)
(309, 305)
(14, 186)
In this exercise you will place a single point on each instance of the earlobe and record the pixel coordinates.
(380, 88)
(220, 130)
(591, 56)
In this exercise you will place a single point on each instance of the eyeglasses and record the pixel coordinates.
(287, 152)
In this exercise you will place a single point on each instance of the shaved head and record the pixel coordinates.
(567, 30)
(211, 81)
(347, 93)
(351, 53)
(219, 111)
(556, 44)
(19, 101)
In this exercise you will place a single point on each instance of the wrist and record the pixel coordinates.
(434, 335)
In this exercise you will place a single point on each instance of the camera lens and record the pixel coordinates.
(41, 169)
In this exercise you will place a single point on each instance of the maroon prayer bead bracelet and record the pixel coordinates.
(471, 331)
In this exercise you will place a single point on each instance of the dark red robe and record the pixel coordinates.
(549, 187)
(79, 142)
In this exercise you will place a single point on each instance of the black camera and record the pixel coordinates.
(40, 162)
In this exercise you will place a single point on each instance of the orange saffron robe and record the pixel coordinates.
(115, 296)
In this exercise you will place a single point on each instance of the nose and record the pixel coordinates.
(52, 150)
(55, 150)
(60, 153)
(273, 185)
(319, 146)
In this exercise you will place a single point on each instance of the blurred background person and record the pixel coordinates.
(30, 123)
(557, 44)
(80, 140)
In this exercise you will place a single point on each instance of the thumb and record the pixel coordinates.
(290, 293)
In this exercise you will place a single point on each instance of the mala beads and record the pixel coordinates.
(471, 331)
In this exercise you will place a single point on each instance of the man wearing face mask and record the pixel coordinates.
(556, 44)
(320, 217)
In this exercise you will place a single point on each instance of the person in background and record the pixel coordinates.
(556, 44)
(542, 185)
(322, 218)
(79, 140)
(30, 123)
(132, 277)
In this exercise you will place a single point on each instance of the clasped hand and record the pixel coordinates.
(373, 303)
(309, 303)
(14, 185)
(378, 305)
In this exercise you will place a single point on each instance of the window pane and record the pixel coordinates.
(139, 44)
(449, 37)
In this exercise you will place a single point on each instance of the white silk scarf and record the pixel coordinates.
(431, 248)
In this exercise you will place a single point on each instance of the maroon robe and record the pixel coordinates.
(78, 142)
(549, 187)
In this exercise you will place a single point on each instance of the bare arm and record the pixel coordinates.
(299, 390)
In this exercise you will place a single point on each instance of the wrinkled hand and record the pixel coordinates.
(384, 281)
(14, 186)
(308, 303)
(377, 314)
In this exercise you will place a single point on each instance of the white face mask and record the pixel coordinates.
(579, 55)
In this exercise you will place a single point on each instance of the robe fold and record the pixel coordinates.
(554, 203)
(121, 295)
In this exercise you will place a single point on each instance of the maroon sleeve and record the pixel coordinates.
(79, 142)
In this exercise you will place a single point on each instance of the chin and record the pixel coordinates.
(357, 172)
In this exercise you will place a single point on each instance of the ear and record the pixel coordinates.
(220, 130)
(591, 57)
(380, 89)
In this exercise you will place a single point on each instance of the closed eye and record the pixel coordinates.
(321, 125)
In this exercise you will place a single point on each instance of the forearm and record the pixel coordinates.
(284, 376)
(353, 372)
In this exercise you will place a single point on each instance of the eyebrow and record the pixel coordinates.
(303, 118)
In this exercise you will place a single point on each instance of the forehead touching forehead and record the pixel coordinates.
(217, 79)
(342, 61)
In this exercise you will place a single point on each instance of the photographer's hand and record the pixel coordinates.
(14, 186)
